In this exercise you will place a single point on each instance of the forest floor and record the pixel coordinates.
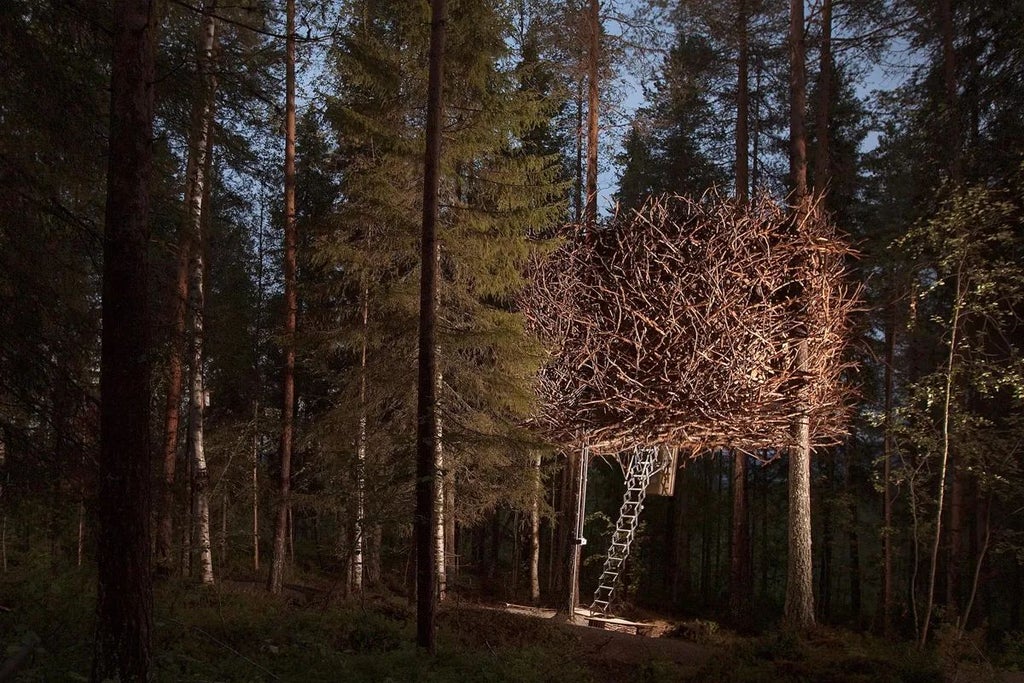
(236, 632)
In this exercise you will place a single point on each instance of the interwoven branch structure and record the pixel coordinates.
(680, 322)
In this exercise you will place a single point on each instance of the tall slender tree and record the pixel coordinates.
(426, 404)
(125, 594)
(799, 605)
(276, 577)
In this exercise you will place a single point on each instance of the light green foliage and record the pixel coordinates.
(970, 290)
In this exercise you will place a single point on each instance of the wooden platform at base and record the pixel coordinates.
(596, 620)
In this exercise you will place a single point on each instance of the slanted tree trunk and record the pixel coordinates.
(124, 609)
(593, 104)
(281, 525)
(426, 403)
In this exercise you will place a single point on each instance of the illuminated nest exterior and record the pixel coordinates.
(679, 324)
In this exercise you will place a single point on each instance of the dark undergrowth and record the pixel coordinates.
(236, 632)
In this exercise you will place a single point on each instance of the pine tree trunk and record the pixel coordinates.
(281, 526)
(538, 491)
(797, 104)
(576, 467)
(822, 169)
(124, 610)
(256, 488)
(799, 604)
(680, 541)
(949, 78)
(427, 394)
(739, 559)
(742, 105)
(172, 409)
(593, 63)
(853, 539)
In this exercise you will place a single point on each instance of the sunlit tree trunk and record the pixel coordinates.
(124, 608)
(196, 194)
(281, 526)
(799, 604)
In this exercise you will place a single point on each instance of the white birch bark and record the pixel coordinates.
(439, 498)
(360, 526)
(195, 186)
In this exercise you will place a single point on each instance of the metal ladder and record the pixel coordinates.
(642, 466)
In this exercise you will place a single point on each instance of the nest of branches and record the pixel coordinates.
(695, 323)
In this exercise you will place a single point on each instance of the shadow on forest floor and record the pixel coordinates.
(236, 632)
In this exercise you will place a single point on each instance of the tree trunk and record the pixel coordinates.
(578, 182)
(742, 105)
(593, 62)
(440, 485)
(124, 610)
(373, 554)
(426, 404)
(256, 488)
(799, 604)
(739, 559)
(172, 408)
(946, 416)
(822, 167)
(956, 536)
(277, 561)
(797, 103)
(950, 82)
(887, 454)
(681, 588)
(576, 467)
(852, 537)
(825, 571)
(196, 194)
(360, 454)
(538, 491)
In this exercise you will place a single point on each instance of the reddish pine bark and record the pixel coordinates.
(125, 594)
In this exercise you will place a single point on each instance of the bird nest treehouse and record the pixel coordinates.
(692, 324)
